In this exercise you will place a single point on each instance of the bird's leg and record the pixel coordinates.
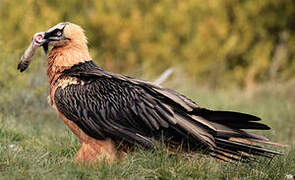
(94, 150)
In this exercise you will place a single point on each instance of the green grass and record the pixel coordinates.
(35, 144)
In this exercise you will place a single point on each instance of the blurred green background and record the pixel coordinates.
(220, 43)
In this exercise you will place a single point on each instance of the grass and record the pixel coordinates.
(35, 144)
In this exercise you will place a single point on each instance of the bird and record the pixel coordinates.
(111, 113)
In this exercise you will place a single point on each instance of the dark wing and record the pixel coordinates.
(104, 104)
(108, 107)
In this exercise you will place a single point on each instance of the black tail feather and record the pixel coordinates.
(247, 125)
(239, 147)
(226, 116)
(232, 142)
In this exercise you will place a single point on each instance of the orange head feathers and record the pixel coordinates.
(76, 34)
(69, 48)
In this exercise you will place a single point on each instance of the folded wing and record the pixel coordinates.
(105, 104)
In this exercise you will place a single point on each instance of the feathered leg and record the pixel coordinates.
(96, 151)
(92, 150)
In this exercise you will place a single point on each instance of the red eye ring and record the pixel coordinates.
(58, 33)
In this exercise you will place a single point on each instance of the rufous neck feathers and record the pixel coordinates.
(64, 57)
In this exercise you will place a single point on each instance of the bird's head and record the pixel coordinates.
(64, 34)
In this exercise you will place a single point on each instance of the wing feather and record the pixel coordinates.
(122, 110)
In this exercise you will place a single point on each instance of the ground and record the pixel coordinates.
(35, 144)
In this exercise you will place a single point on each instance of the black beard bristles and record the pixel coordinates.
(45, 48)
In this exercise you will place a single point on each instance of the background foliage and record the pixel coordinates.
(222, 42)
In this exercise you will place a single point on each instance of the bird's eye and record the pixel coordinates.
(58, 33)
